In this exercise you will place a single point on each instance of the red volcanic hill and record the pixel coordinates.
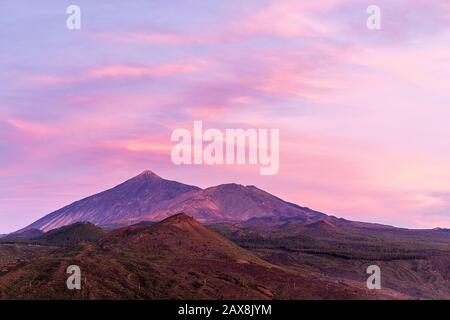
(151, 198)
(179, 236)
(177, 258)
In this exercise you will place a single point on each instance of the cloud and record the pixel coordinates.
(288, 19)
(32, 129)
(154, 38)
(116, 72)
(121, 71)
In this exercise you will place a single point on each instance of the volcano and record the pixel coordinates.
(148, 197)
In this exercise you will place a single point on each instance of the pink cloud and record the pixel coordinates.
(32, 128)
(172, 39)
(288, 19)
(48, 80)
(121, 71)
(118, 72)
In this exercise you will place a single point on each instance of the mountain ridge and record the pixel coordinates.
(148, 197)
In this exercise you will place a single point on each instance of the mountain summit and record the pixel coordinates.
(148, 197)
(137, 197)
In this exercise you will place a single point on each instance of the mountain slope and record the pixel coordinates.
(178, 236)
(26, 234)
(233, 202)
(136, 197)
(71, 235)
(177, 258)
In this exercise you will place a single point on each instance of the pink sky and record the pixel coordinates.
(363, 115)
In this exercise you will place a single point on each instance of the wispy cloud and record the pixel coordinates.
(114, 72)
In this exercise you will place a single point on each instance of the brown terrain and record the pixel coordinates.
(178, 258)
(413, 262)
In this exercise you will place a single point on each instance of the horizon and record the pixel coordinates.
(362, 114)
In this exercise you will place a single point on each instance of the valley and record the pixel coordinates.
(413, 262)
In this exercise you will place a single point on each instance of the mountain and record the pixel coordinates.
(71, 235)
(233, 202)
(179, 236)
(148, 197)
(136, 197)
(26, 234)
(178, 258)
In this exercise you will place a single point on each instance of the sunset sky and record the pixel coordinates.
(364, 115)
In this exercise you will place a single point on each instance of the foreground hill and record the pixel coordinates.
(178, 258)
(152, 198)
(71, 235)
(66, 236)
